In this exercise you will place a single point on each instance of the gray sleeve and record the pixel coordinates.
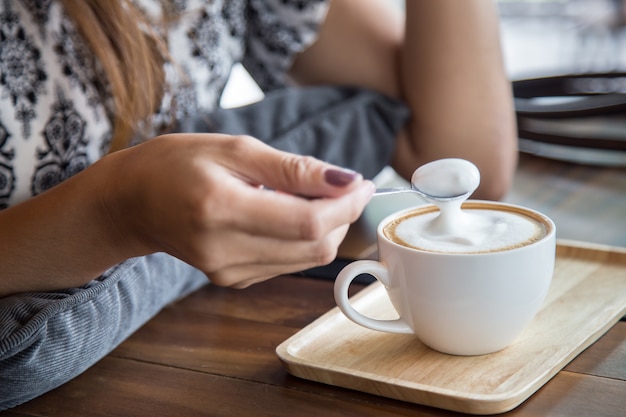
(48, 338)
(351, 127)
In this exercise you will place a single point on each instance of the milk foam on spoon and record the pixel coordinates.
(447, 177)
(452, 229)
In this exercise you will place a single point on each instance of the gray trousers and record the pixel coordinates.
(46, 339)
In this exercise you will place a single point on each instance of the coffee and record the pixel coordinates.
(478, 228)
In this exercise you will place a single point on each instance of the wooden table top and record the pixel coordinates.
(213, 353)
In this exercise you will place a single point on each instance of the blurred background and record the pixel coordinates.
(539, 38)
(544, 37)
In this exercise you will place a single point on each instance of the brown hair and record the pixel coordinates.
(131, 55)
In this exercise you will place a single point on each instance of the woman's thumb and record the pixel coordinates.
(305, 175)
(293, 173)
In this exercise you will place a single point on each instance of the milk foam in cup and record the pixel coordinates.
(466, 278)
(475, 230)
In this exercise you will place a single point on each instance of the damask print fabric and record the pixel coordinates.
(54, 114)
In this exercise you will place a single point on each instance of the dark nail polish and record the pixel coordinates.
(339, 177)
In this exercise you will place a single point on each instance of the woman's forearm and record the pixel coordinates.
(60, 239)
(444, 60)
(453, 78)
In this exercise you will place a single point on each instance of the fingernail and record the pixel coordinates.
(340, 177)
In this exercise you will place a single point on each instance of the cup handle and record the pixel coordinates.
(379, 271)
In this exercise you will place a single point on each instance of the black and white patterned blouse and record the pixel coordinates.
(53, 101)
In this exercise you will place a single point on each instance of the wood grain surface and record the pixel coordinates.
(213, 354)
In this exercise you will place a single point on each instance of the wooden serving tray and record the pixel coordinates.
(586, 298)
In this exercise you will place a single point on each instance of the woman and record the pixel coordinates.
(92, 224)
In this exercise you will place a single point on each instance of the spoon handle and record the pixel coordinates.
(394, 190)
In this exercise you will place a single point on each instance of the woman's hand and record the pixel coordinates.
(210, 201)
(231, 206)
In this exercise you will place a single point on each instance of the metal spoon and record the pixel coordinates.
(442, 180)
(398, 190)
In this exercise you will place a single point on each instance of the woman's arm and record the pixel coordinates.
(444, 60)
(196, 197)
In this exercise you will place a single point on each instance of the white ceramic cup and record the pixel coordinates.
(458, 303)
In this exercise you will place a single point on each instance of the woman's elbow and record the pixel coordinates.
(494, 186)
(497, 169)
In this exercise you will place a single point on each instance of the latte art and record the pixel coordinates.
(478, 229)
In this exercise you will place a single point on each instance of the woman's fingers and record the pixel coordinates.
(197, 197)
(245, 274)
(286, 216)
(259, 163)
(239, 249)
